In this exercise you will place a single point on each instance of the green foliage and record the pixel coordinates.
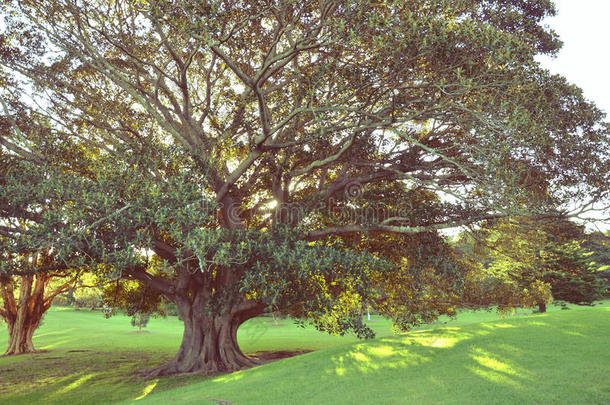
(426, 278)
(135, 298)
(535, 260)
(86, 292)
(219, 141)
(426, 282)
(599, 246)
(90, 297)
(572, 275)
(61, 301)
(140, 320)
(311, 280)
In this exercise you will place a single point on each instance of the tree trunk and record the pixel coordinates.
(542, 307)
(209, 343)
(24, 314)
(20, 336)
(24, 318)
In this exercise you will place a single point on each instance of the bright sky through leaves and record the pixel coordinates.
(584, 29)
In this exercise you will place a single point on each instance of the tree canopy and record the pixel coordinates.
(533, 262)
(223, 137)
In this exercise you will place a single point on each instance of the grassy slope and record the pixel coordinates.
(90, 360)
(551, 359)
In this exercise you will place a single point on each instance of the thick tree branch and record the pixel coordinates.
(339, 230)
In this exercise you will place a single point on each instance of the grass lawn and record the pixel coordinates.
(559, 357)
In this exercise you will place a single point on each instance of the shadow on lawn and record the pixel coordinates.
(490, 359)
(495, 358)
(75, 377)
(89, 376)
(538, 359)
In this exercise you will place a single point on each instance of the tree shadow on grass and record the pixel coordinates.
(89, 376)
(538, 359)
(75, 377)
(527, 360)
(533, 360)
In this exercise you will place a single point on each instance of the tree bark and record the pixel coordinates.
(20, 336)
(24, 318)
(542, 307)
(209, 342)
(24, 314)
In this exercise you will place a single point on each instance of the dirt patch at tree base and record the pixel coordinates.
(267, 357)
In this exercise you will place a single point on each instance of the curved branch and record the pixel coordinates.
(338, 230)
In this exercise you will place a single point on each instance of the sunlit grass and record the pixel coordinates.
(148, 389)
(527, 360)
(560, 357)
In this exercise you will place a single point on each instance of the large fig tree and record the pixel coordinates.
(217, 135)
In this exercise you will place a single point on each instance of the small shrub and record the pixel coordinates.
(140, 320)
(61, 301)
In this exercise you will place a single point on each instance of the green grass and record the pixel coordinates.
(559, 357)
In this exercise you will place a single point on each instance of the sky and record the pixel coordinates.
(584, 28)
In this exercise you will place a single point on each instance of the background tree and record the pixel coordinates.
(214, 133)
(568, 266)
(25, 298)
(31, 274)
(527, 253)
(87, 292)
(503, 284)
(137, 299)
(598, 244)
(140, 320)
